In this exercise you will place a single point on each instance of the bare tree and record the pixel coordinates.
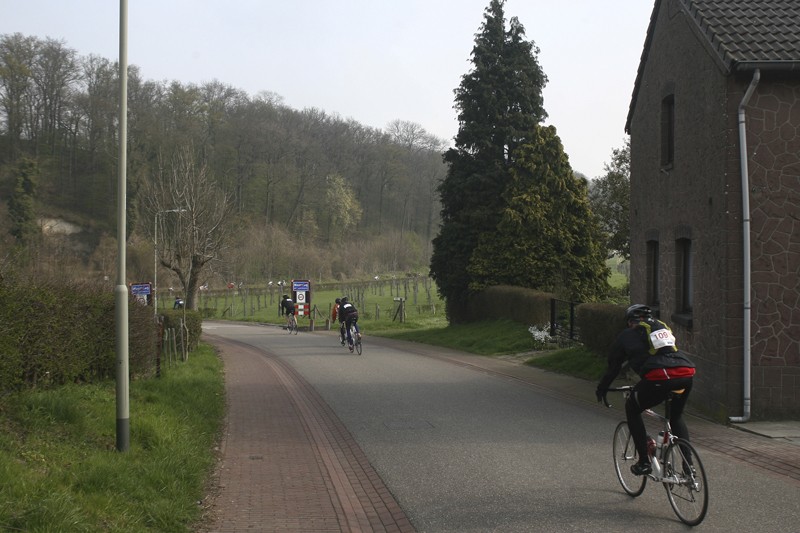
(189, 213)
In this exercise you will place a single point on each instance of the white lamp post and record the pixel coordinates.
(155, 256)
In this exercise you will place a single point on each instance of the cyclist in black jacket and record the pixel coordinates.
(349, 315)
(287, 308)
(648, 345)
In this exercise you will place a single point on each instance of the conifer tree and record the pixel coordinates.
(512, 210)
(547, 237)
(499, 104)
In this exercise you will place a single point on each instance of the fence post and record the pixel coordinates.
(572, 321)
(552, 317)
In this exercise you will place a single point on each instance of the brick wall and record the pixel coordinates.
(699, 197)
(774, 144)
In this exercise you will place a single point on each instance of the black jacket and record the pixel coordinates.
(347, 310)
(633, 346)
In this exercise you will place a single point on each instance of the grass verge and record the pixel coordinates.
(494, 337)
(60, 471)
(501, 337)
(577, 362)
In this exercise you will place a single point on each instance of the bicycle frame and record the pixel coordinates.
(675, 464)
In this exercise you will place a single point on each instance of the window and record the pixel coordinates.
(684, 285)
(653, 261)
(668, 132)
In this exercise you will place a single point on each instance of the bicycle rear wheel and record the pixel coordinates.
(294, 325)
(689, 496)
(624, 456)
(357, 341)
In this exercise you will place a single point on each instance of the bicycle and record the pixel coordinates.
(355, 339)
(292, 324)
(676, 464)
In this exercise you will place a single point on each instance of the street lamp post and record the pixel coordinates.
(155, 256)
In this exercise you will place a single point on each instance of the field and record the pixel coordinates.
(377, 303)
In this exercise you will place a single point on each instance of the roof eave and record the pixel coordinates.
(766, 66)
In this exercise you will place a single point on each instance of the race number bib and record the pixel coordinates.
(661, 338)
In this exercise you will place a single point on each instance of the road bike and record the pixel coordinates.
(355, 339)
(292, 324)
(675, 462)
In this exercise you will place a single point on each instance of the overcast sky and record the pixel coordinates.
(370, 60)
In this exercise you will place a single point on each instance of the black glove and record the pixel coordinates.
(601, 395)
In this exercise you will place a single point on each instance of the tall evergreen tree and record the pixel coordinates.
(547, 237)
(500, 105)
(513, 211)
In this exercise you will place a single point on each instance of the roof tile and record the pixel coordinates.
(748, 31)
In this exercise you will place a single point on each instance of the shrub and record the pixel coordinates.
(599, 324)
(173, 319)
(520, 304)
(58, 332)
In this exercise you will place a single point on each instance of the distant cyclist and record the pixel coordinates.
(335, 312)
(287, 308)
(648, 345)
(349, 314)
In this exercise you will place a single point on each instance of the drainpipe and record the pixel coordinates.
(746, 242)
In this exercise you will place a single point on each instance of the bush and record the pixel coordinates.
(58, 332)
(173, 318)
(522, 305)
(599, 325)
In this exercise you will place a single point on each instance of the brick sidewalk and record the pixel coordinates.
(287, 462)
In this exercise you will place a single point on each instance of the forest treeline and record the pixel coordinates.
(313, 194)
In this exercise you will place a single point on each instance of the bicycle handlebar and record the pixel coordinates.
(624, 388)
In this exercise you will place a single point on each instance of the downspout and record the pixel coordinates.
(746, 243)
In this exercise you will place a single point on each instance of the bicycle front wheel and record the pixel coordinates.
(685, 482)
(624, 457)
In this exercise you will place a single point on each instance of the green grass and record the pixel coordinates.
(500, 337)
(578, 362)
(495, 337)
(60, 471)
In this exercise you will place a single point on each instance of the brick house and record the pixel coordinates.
(717, 79)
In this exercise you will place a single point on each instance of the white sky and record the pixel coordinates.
(370, 60)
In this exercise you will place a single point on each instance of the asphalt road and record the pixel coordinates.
(470, 451)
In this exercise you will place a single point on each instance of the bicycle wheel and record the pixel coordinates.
(357, 340)
(294, 325)
(689, 495)
(624, 456)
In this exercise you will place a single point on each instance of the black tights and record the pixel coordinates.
(647, 394)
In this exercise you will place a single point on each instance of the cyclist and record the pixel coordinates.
(648, 346)
(349, 314)
(287, 308)
(336, 312)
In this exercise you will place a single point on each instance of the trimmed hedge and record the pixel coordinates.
(598, 323)
(519, 304)
(57, 333)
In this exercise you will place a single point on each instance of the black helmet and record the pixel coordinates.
(344, 299)
(338, 300)
(638, 312)
(285, 296)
